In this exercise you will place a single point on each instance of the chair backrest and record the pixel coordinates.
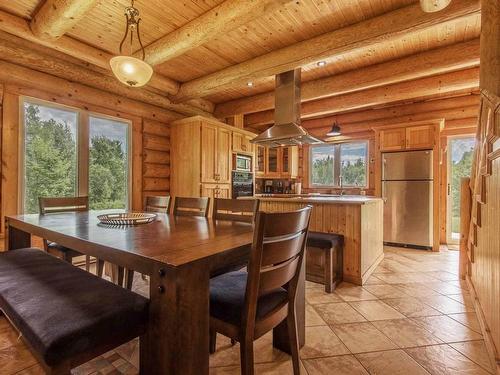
(66, 204)
(277, 255)
(191, 206)
(158, 204)
(235, 209)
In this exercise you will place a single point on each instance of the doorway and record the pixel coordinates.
(460, 155)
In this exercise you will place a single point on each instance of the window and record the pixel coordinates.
(333, 165)
(68, 152)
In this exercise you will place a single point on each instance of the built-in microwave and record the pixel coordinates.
(242, 163)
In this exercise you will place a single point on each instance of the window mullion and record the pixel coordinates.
(336, 165)
(83, 154)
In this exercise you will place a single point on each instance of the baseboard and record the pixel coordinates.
(488, 340)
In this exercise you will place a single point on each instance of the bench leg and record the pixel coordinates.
(100, 267)
(328, 270)
(62, 369)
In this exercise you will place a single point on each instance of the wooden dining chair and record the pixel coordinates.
(185, 206)
(242, 210)
(66, 204)
(160, 204)
(245, 306)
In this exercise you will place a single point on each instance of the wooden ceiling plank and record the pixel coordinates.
(20, 27)
(420, 88)
(437, 61)
(335, 43)
(55, 17)
(25, 77)
(19, 52)
(225, 17)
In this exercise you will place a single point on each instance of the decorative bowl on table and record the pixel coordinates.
(127, 218)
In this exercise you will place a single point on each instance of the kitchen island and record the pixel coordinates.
(358, 218)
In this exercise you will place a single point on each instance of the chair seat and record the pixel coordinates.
(63, 311)
(54, 246)
(324, 240)
(227, 298)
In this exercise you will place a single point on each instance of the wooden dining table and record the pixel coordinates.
(179, 254)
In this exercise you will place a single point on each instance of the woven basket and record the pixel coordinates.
(128, 218)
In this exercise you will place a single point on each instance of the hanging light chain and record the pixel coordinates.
(132, 20)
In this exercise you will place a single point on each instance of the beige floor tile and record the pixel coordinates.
(444, 287)
(34, 370)
(445, 305)
(318, 295)
(476, 352)
(464, 298)
(416, 289)
(444, 360)
(385, 291)
(411, 307)
(393, 362)
(311, 285)
(363, 337)
(380, 270)
(8, 336)
(447, 329)
(467, 319)
(407, 277)
(272, 368)
(443, 275)
(405, 333)
(312, 317)
(15, 358)
(341, 365)
(338, 313)
(374, 280)
(349, 292)
(322, 342)
(376, 310)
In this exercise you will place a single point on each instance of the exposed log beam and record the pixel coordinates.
(56, 17)
(437, 61)
(355, 37)
(18, 75)
(18, 52)
(444, 83)
(223, 18)
(20, 27)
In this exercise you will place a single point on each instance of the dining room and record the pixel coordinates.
(249, 187)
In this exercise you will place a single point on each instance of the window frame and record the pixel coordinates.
(82, 147)
(337, 165)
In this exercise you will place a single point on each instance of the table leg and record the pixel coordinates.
(177, 340)
(280, 332)
(16, 238)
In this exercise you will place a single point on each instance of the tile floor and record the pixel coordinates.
(412, 317)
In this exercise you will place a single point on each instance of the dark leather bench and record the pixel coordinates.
(67, 316)
(324, 259)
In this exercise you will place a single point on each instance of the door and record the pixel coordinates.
(460, 154)
(407, 165)
(408, 212)
(223, 156)
(420, 137)
(392, 139)
(208, 153)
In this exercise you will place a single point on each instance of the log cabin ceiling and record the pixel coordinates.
(289, 23)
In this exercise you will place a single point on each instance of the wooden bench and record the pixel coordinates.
(324, 259)
(66, 316)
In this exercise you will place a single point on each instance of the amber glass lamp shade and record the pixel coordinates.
(131, 71)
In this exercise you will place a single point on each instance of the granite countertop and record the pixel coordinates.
(317, 198)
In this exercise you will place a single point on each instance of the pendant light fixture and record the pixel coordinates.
(335, 130)
(430, 6)
(130, 70)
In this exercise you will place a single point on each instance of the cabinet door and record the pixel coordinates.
(208, 153)
(224, 191)
(223, 156)
(420, 137)
(246, 145)
(238, 141)
(290, 162)
(216, 191)
(273, 162)
(260, 163)
(392, 139)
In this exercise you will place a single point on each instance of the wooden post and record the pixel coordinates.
(465, 210)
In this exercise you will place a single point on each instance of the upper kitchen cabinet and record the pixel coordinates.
(241, 143)
(420, 137)
(281, 162)
(392, 139)
(407, 138)
(201, 156)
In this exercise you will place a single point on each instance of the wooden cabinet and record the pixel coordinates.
(215, 154)
(241, 142)
(260, 160)
(420, 137)
(273, 163)
(290, 162)
(280, 162)
(216, 190)
(408, 138)
(392, 139)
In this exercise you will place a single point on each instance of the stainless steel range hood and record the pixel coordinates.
(286, 130)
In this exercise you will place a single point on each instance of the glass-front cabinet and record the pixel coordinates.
(279, 162)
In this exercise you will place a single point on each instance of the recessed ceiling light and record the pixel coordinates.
(321, 63)
(250, 84)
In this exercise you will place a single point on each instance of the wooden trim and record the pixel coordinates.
(438, 61)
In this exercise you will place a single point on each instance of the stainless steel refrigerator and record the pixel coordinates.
(407, 187)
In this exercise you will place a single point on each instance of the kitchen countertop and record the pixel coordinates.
(317, 198)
